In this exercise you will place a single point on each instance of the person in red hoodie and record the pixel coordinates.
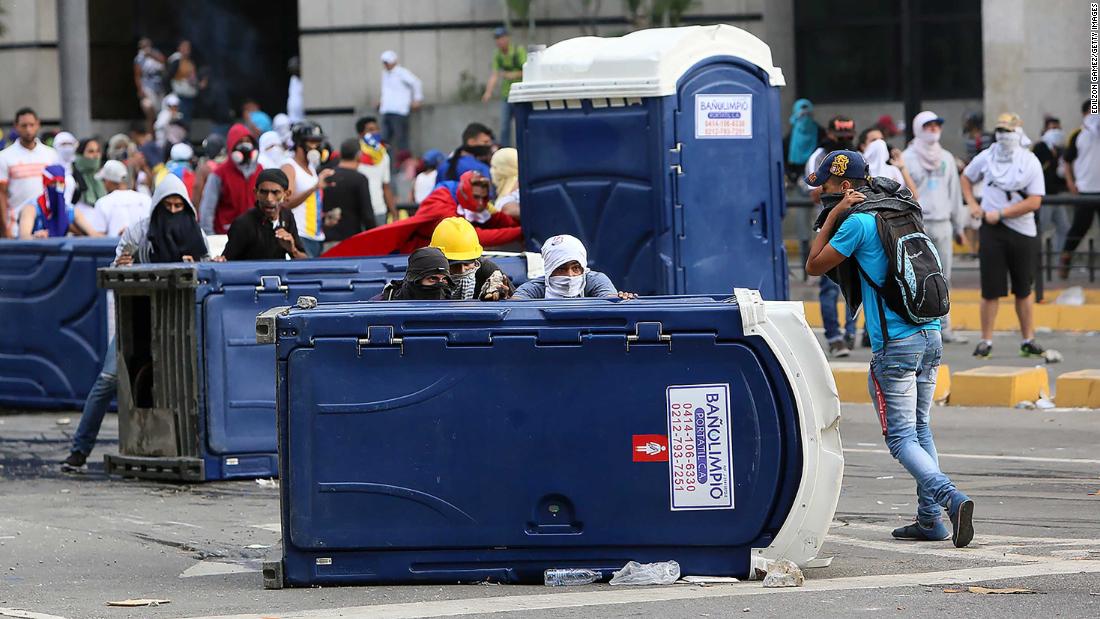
(468, 198)
(230, 189)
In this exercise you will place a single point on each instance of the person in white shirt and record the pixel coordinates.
(305, 197)
(1082, 159)
(374, 163)
(21, 167)
(1013, 189)
(936, 176)
(401, 93)
(121, 207)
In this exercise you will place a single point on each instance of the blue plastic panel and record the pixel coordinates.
(238, 395)
(596, 173)
(495, 441)
(55, 320)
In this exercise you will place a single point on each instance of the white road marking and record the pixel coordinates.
(215, 568)
(616, 597)
(986, 457)
(925, 548)
(26, 614)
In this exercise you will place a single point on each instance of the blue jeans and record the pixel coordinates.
(95, 407)
(902, 381)
(505, 123)
(395, 132)
(828, 295)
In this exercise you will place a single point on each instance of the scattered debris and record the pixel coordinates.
(65, 491)
(139, 602)
(268, 483)
(987, 590)
(885, 477)
(64, 421)
(634, 573)
(257, 546)
(706, 580)
(783, 573)
(1052, 356)
(1025, 404)
(1044, 403)
(1074, 295)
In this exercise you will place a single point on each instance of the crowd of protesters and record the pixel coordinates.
(986, 199)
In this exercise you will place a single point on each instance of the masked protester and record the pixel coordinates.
(427, 278)
(505, 170)
(1012, 190)
(268, 231)
(567, 274)
(229, 191)
(179, 164)
(474, 276)
(272, 152)
(49, 215)
(307, 184)
(474, 154)
(170, 233)
(468, 198)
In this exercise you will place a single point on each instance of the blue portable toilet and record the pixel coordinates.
(661, 150)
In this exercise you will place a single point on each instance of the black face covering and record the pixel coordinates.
(422, 263)
(175, 235)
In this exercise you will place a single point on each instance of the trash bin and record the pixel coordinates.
(55, 321)
(196, 392)
(661, 150)
(449, 442)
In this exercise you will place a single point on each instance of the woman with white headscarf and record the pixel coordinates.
(567, 276)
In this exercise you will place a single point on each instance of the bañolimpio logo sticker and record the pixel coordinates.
(700, 456)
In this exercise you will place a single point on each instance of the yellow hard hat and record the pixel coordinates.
(457, 239)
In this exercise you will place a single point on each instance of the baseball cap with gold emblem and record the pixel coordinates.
(842, 163)
(1008, 122)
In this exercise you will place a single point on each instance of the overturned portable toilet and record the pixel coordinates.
(463, 442)
(661, 150)
(56, 326)
(196, 393)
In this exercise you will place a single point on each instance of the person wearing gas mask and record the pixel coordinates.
(1012, 190)
(307, 185)
(427, 278)
(229, 190)
(268, 231)
(932, 169)
(468, 198)
(475, 154)
(567, 276)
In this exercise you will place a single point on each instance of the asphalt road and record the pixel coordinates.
(70, 543)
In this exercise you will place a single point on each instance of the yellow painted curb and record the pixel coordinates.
(966, 316)
(1080, 389)
(994, 385)
(851, 381)
(973, 295)
(794, 248)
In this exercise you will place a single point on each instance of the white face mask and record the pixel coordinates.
(67, 152)
(313, 157)
(1008, 140)
(929, 137)
(568, 286)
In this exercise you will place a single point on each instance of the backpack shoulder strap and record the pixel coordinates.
(878, 303)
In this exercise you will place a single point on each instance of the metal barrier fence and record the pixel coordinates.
(1087, 260)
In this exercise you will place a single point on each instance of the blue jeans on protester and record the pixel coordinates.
(95, 407)
(395, 132)
(828, 295)
(505, 123)
(902, 381)
(311, 248)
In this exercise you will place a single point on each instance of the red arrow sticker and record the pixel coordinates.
(650, 448)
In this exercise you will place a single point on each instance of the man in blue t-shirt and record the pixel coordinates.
(904, 363)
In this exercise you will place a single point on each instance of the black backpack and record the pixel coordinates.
(916, 287)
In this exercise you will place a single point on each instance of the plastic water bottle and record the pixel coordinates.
(570, 577)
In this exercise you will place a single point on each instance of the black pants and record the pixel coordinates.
(1082, 221)
(1005, 254)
